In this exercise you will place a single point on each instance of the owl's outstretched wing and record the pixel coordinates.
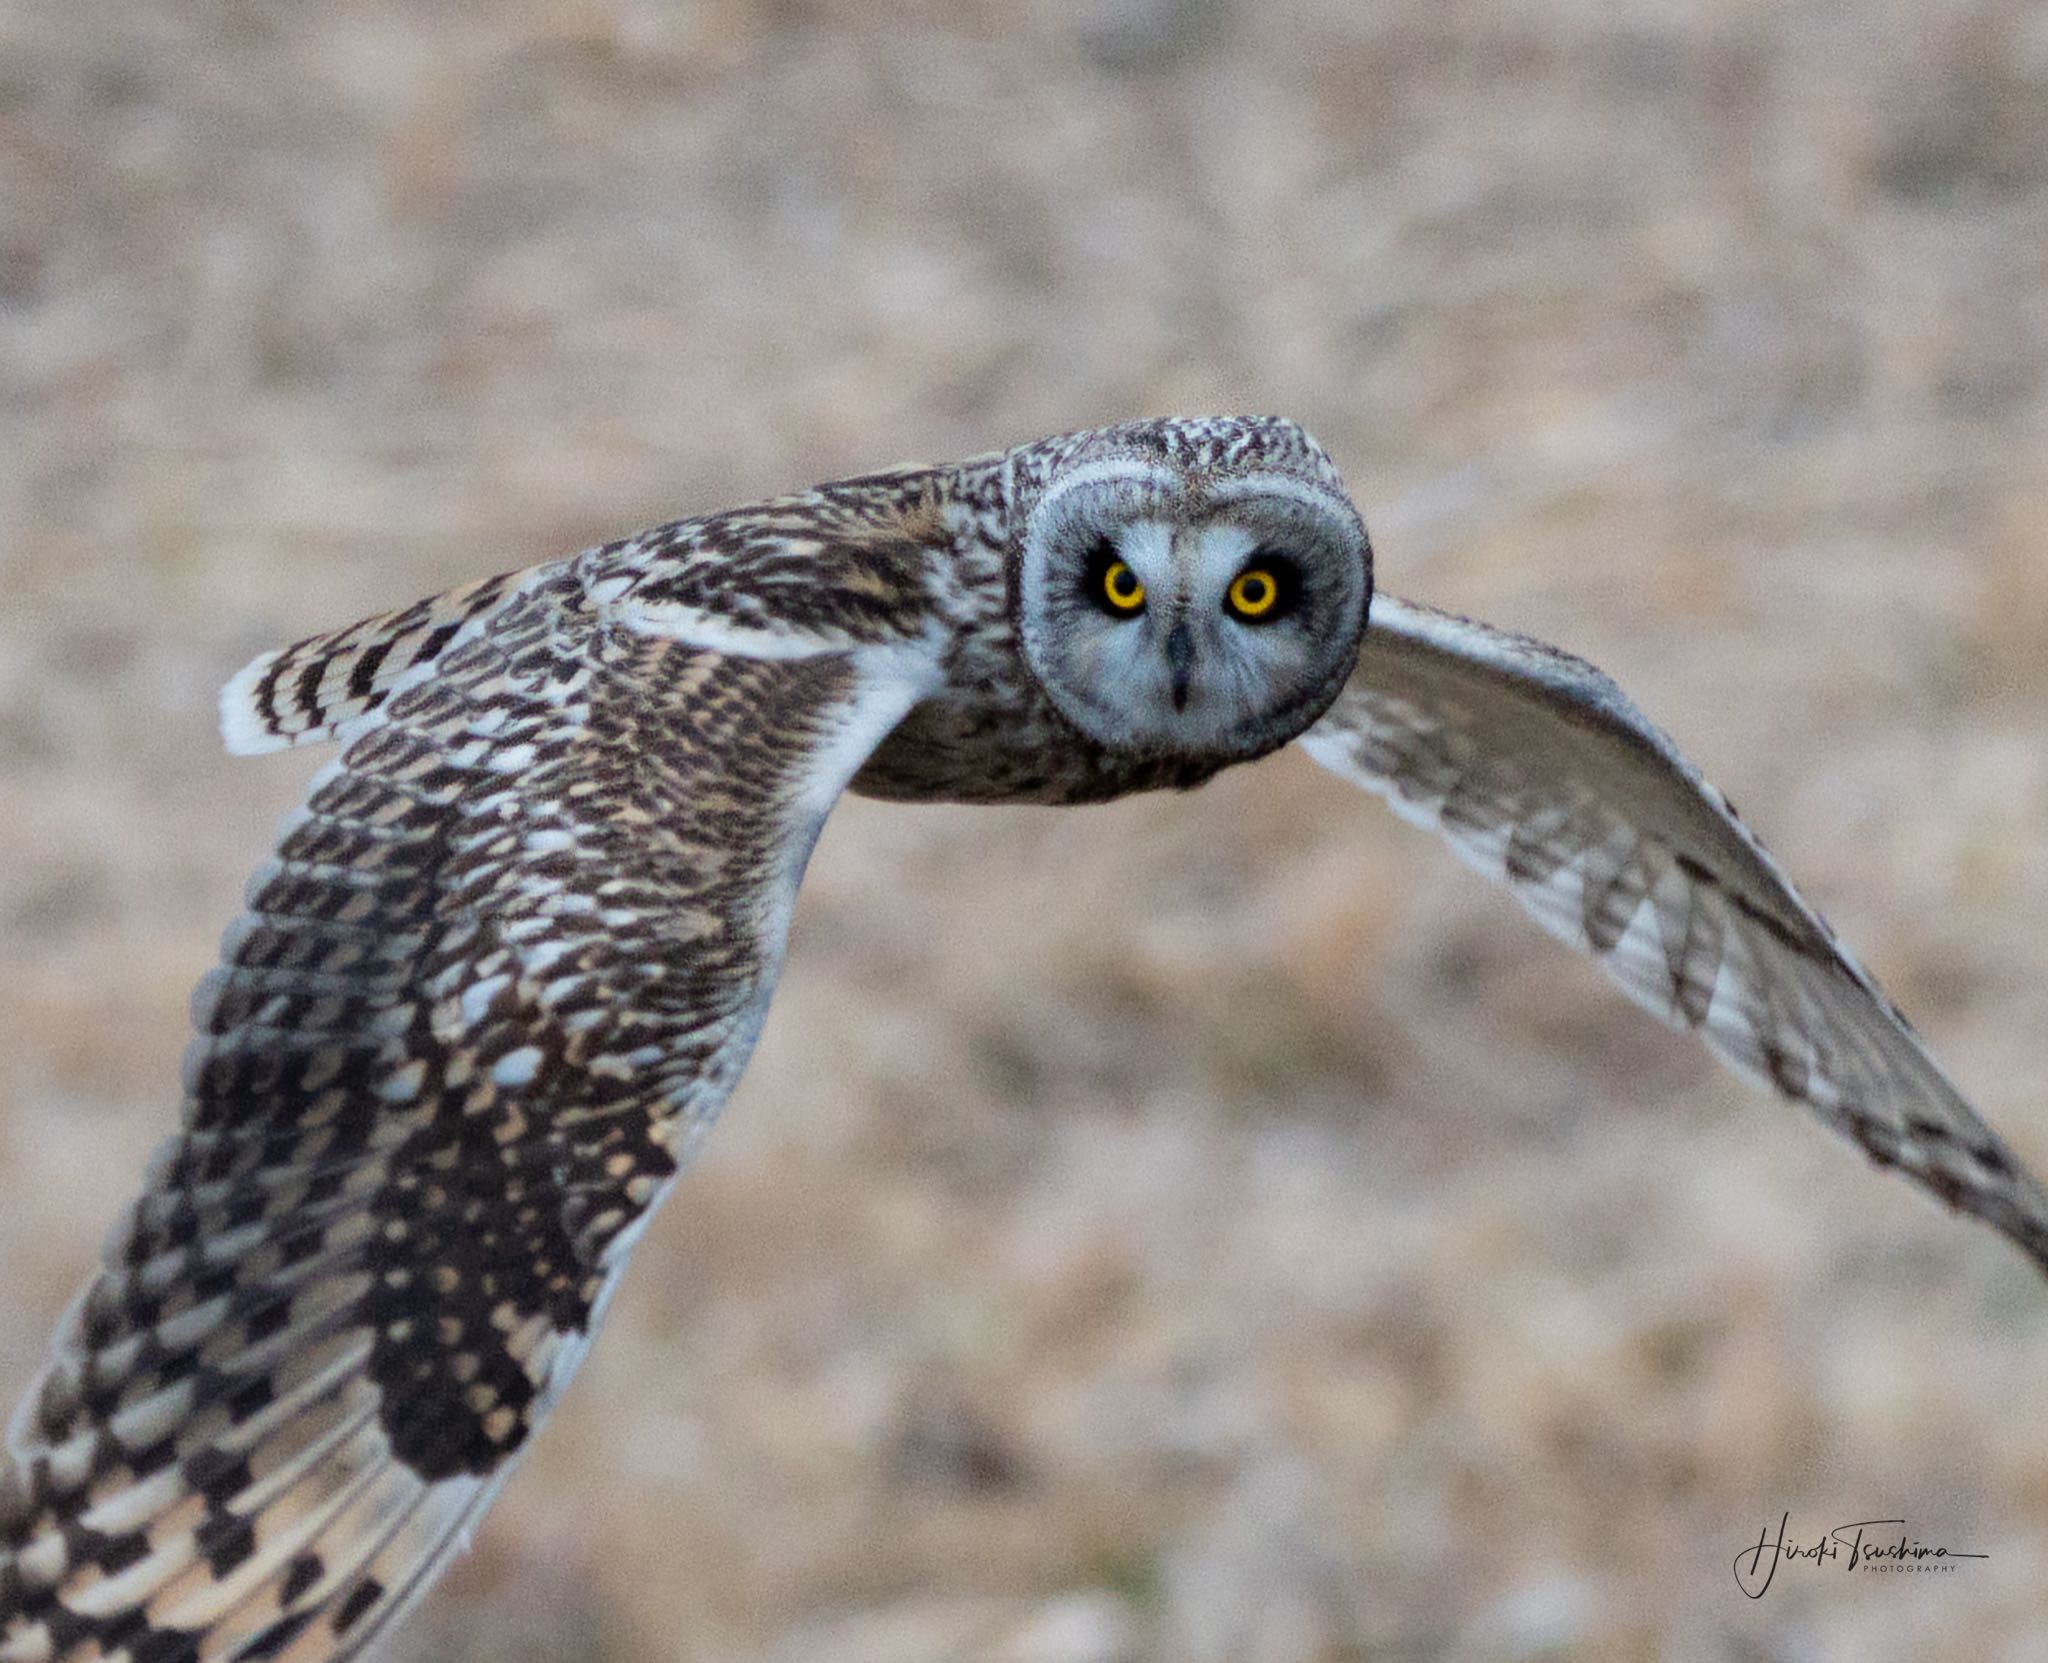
(1539, 773)
(509, 960)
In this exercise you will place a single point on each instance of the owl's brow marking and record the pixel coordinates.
(1103, 473)
(512, 954)
(1278, 485)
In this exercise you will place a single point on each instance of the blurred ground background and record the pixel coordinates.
(1192, 1230)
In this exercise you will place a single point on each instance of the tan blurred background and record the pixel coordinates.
(1192, 1230)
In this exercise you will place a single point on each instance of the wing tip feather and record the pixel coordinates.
(243, 728)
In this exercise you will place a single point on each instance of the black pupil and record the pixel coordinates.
(1254, 591)
(1122, 584)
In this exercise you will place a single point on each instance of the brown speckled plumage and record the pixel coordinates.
(513, 954)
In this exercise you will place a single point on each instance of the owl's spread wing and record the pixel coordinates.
(509, 960)
(1540, 774)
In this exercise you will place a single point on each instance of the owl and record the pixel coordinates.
(514, 950)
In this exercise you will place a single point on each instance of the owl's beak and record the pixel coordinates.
(1180, 659)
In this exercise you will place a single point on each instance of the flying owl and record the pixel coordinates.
(513, 953)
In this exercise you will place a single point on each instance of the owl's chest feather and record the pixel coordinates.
(990, 735)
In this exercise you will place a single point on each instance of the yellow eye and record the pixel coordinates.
(1254, 592)
(1121, 588)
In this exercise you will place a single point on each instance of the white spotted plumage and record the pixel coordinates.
(513, 954)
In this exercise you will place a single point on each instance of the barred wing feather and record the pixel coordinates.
(509, 961)
(1540, 774)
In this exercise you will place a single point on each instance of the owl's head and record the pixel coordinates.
(1194, 588)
